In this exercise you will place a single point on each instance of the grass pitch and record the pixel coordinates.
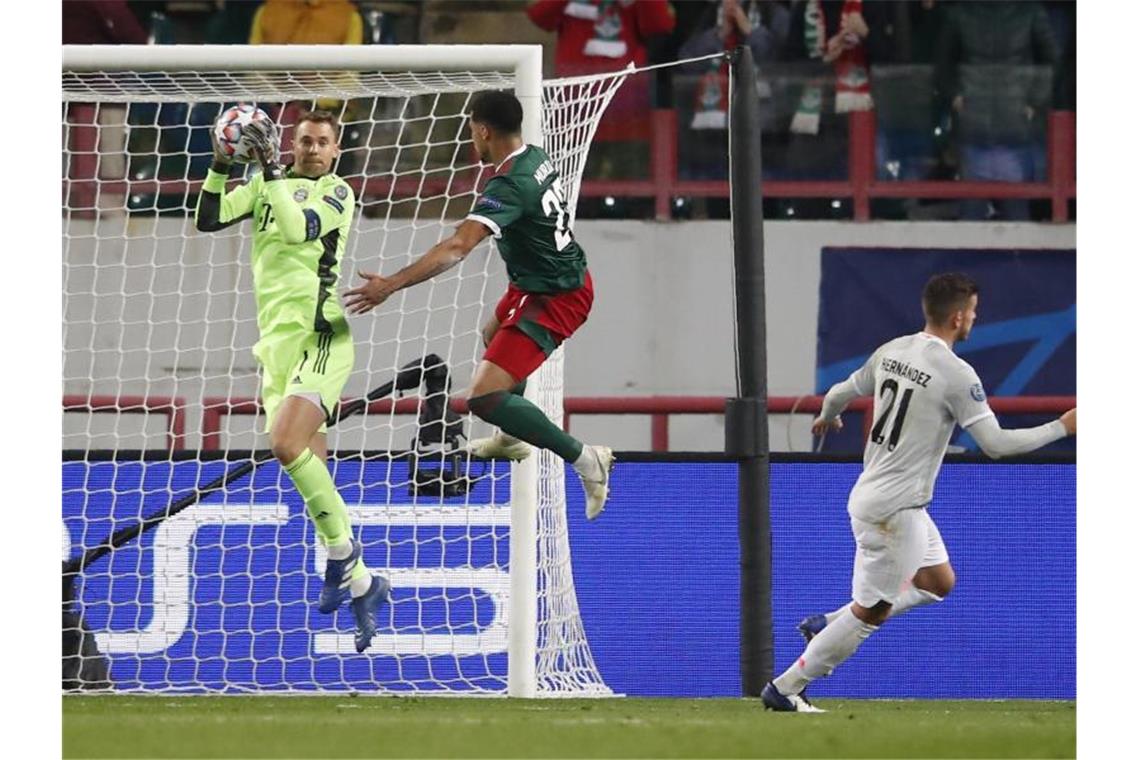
(347, 727)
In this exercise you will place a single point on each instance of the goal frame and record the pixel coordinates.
(525, 63)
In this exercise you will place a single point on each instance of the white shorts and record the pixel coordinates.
(889, 553)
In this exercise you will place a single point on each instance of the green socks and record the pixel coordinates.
(324, 504)
(517, 417)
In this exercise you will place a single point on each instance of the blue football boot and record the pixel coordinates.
(338, 576)
(811, 626)
(364, 610)
(774, 700)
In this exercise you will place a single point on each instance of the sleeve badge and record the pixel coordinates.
(977, 392)
(340, 191)
(488, 202)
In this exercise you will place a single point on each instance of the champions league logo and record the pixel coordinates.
(488, 202)
(977, 392)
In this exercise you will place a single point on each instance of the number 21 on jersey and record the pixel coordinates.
(554, 200)
(890, 385)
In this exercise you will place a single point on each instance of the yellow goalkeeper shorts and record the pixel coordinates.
(311, 364)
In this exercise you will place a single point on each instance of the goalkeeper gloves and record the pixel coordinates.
(222, 162)
(261, 137)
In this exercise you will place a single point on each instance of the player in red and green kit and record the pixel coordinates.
(302, 215)
(524, 207)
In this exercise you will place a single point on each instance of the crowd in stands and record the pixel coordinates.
(959, 90)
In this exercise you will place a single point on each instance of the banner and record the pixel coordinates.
(225, 593)
(1023, 344)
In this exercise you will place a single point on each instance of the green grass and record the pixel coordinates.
(347, 727)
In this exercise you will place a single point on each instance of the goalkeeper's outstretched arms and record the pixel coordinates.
(216, 208)
(439, 258)
(997, 442)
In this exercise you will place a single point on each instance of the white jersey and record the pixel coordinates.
(921, 390)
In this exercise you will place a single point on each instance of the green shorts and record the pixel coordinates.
(316, 365)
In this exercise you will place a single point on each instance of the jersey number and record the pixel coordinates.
(555, 200)
(266, 217)
(880, 424)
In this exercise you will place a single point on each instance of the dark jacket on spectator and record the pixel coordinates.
(101, 22)
(998, 105)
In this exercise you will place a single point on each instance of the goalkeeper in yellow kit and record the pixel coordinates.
(301, 215)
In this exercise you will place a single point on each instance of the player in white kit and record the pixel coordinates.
(921, 390)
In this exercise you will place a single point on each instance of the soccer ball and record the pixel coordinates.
(227, 130)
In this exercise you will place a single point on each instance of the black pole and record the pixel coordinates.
(746, 420)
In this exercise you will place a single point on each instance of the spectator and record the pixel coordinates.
(726, 24)
(97, 131)
(908, 146)
(231, 22)
(101, 22)
(999, 112)
(761, 24)
(830, 33)
(308, 22)
(605, 35)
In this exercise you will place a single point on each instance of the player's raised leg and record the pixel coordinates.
(491, 400)
(500, 445)
(932, 583)
(887, 555)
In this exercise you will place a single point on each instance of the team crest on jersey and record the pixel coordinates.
(300, 195)
(977, 392)
(340, 191)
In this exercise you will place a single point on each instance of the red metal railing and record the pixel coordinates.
(215, 408)
(861, 185)
(658, 408)
(174, 408)
(662, 184)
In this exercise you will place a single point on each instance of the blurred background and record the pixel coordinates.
(911, 95)
(942, 130)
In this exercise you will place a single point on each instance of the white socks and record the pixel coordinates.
(912, 597)
(827, 650)
(359, 586)
(831, 616)
(587, 464)
(360, 583)
(340, 551)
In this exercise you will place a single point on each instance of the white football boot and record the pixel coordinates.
(774, 700)
(499, 446)
(597, 491)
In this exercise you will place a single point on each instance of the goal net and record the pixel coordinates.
(160, 389)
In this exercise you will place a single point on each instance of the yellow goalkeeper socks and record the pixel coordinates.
(324, 504)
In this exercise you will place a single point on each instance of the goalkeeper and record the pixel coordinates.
(301, 215)
(523, 206)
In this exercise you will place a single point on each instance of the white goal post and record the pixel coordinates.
(131, 261)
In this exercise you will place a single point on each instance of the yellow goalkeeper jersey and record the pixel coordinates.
(300, 231)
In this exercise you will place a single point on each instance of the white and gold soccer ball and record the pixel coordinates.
(227, 130)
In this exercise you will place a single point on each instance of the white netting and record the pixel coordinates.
(159, 321)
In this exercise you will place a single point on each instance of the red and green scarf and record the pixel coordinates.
(606, 41)
(852, 81)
